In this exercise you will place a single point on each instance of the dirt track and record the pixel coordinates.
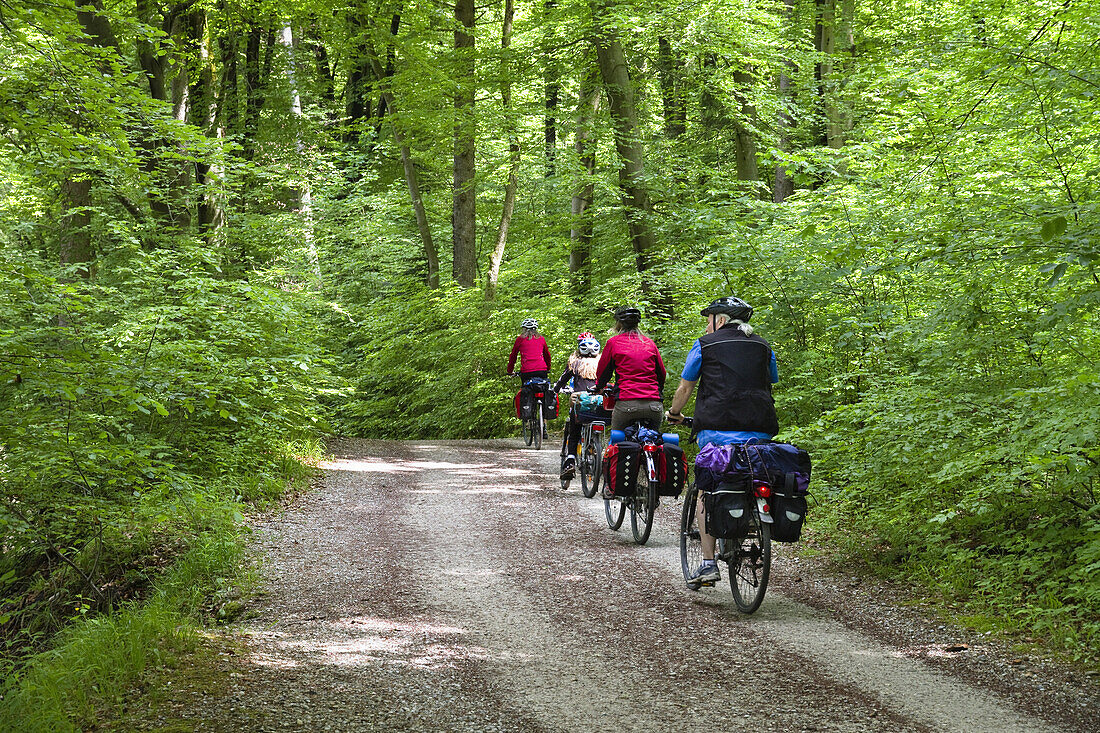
(454, 586)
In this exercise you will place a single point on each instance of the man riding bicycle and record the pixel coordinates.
(735, 370)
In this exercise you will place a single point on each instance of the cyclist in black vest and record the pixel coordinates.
(735, 370)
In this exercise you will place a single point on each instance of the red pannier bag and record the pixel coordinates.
(672, 469)
(620, 467)
(518, 401)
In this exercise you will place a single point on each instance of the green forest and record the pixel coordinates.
(229, 230)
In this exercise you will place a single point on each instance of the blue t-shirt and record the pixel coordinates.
(721, 437)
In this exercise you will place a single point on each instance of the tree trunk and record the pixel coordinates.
(823, 43)
(844, 43)
(746, 144)
(305, 197)
(180, 92)
(152, 63)
(204, 115)
(357, 102)
(513, 153)
(783, 185)
(628, 141)
(580, 233)
(463, 220)
(391, 61)
(672, 89)
(253, 100)
(76, 239)
(228, 101)
(551, 87)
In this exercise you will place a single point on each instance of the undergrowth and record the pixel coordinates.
(188, 553)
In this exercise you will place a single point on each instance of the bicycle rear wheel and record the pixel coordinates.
(642, 509)
(691, 546)
(538, 425)
(750, 564)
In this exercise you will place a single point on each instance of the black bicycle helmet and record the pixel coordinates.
(628, 317)
(735, 308)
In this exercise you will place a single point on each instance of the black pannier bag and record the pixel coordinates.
(550, 405)
(671, 471)
(788, 510)
(620, 465)
(728, 510)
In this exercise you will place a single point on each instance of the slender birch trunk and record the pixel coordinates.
(513, 154)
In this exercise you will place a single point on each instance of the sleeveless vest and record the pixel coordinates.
(735, 386)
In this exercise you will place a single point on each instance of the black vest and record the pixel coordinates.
(735, 384)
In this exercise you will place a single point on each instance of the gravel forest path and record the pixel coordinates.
(453, 586)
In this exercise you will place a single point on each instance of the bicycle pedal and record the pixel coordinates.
(709, 584)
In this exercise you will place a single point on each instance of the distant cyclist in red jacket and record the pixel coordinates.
(534, 354)
(534, 358)
(636, 363)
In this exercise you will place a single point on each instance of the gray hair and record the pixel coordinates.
(721, 319)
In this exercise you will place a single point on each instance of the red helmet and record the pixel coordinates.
(585, 335)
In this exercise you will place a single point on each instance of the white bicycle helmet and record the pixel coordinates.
(588, 347)
(529, 323)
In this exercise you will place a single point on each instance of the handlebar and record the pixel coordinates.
(686, 421)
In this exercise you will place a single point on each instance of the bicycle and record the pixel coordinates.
(642, 502)
(534, 422)
(566, 390)
(748, 558)
(590, 458)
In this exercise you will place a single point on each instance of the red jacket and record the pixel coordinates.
(534, 355)
(635, 360)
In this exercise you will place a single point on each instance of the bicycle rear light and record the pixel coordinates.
(597, 427)
(649, 448)
(762, 491)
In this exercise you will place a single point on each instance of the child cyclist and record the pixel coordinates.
(580, 371)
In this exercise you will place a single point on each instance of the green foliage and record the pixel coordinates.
(178, 319)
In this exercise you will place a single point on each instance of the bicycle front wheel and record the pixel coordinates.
(750, 565)
(614, 510)
(691, 545)
(590, 467)
(597, 465)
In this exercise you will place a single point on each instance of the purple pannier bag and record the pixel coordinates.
(716, 458)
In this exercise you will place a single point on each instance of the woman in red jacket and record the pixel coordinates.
(534, 355)
(636, 363)
(534, 360)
